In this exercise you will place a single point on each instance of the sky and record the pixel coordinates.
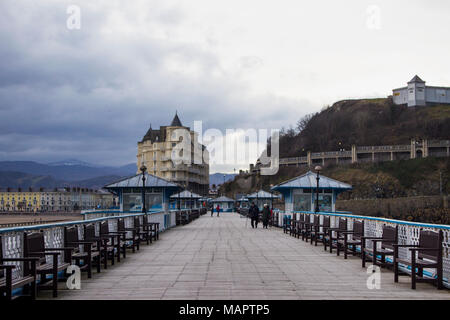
(89, 88)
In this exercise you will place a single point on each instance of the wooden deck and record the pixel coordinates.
(224, 258)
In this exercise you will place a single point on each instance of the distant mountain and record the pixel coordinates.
(217, 178)
(71, 170)
(73, 162)
(26, 180)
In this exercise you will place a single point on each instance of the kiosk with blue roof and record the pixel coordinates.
(157, 193)
(300, 193)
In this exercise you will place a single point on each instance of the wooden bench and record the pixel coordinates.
(342, 226)
(427, 254)
(27, 281)
(34, 247)
(385, 248)
(85, 258)
(153, 227)
(100, 244)
(130, 238)
(320, 232)
(356, 235)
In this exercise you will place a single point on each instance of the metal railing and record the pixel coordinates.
(408, 233)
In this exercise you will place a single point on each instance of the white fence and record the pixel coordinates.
(408, 233)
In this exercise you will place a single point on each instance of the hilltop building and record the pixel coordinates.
(416, 93)
(155, 150)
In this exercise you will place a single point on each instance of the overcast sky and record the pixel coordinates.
(91, 93)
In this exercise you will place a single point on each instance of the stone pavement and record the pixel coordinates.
(224, 258)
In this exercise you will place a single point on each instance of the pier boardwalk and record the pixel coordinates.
(224, 258)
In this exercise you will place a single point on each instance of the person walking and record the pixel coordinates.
(265, 215)
(254, 215)
(218, 210)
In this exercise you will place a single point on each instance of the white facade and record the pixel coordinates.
(418, 94)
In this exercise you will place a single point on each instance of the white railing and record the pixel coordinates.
(12, 238)
(408, 233)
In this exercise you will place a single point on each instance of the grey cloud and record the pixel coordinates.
(81, 94)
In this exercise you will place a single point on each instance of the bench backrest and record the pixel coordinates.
(71, 235)
(342, 224)
(120, 225)
(326, 222)
(390, 237)
(430, 239)
(316, 220)
(34, 246)
(104, 227)
(358, 230)
(89, 232)
(137, 222)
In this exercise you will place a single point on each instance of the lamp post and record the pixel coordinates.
(143, 169)
(317, 168)
(271, 197)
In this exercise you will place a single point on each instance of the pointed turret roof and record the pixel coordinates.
(176, 121)
(416, 79)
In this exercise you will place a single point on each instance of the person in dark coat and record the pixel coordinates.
(265, 215)
(254, 215)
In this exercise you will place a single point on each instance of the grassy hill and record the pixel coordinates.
(365, 122)
(379, 180)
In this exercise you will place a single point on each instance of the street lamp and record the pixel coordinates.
(317, 168)
(271, 197)
(143, 169)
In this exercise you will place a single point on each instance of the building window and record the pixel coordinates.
(302, 202)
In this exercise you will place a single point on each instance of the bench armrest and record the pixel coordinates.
(424, 249)
(405, 245)
(20, 259)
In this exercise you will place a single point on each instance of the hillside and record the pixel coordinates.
(72, 171)
(365, 122)
(217, 178)
(417, 177)
(25, 180)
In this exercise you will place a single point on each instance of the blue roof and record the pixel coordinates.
(308, 181)
(261, 194)
(186, 194)
(136, 182)
(222, 199)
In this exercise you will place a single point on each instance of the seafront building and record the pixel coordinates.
(156, 149)
(53, 200)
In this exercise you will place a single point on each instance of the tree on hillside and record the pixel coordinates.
(303, 122)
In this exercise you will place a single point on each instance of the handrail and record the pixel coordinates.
(408, 223)
(64, 224)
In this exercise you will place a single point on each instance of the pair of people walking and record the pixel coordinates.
(254, 215)
(217, 209)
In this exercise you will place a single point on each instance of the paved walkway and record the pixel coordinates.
(223, 258)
